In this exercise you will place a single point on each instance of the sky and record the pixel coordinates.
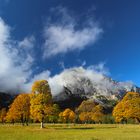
(43, 38)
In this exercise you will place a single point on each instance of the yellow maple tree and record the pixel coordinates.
(41, 101)
(128, 108)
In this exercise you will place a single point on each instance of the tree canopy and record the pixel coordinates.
(67, 115)
(90, 111)
(19, 109)
(128, 108)
(41, 101)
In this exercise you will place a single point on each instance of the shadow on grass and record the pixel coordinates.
(94, 139)
(79, 128)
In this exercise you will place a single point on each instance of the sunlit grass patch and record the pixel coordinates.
(70, 132)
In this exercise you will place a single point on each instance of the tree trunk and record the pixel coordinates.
(22, 120)
(42, 125)
(137, 120)
(27, 123)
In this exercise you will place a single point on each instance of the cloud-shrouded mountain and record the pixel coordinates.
(88, 83)
(73, 85)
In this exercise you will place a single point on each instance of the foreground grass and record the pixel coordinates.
(70, 132)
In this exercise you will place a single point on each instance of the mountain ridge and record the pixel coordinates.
(84, 87)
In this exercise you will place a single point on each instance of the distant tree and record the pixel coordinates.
(85, 117)
(19, 109)
(67, 115)
(90, 111)
(54, 114)
(97, 114)
(86, 106)
(56, 109)
(3, 115)
(128, 108)
(41, 101)
(108, 119)
(61, 119)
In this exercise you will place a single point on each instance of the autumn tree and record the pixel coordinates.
(86, 106)
(128, 108)
(19, 109)
(90, 111)
(2, 115)
(41, 101)
(85, 117)
(54, 113)
(12, 116)
(97, 114)
(67, 115)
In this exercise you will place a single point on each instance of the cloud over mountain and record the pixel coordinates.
(91, 80)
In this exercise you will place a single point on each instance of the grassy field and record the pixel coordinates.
(70, 132)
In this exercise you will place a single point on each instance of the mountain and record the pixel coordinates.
(6, 99)
(74, 85)
(80, 85)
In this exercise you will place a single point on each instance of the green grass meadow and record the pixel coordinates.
(70, 132)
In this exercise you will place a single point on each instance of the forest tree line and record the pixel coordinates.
(38, 106)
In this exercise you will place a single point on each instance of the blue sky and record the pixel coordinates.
(60, 34)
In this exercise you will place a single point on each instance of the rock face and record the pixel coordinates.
(78, 84)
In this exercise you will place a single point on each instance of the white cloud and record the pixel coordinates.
(43, 75)
(15, 61)
(67, 76)
(100, 68)
(83, 63)
(73, 76)
(70, 76)
(27, 43)
(64, 36)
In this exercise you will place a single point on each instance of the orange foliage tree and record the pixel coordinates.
(128, 108)
(67, 116)
(19, 109)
